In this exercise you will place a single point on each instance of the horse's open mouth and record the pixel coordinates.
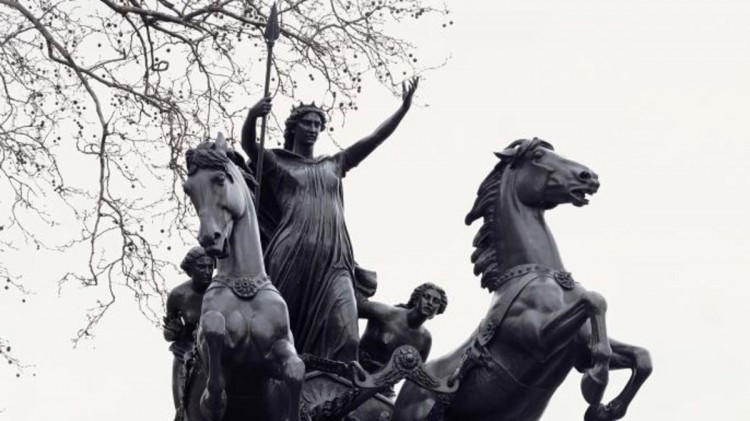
(579, 196)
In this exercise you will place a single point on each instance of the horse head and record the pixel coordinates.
(529, 179)
(545, 179)
(217, 189)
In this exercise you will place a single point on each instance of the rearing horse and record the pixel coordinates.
(541, 323)
(243, 336)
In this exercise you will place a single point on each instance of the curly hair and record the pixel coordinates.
(191, 257)
(419, 292)
(295, 116)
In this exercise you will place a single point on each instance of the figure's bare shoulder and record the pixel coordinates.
(183, 288)
(178, 294)
(374, 310)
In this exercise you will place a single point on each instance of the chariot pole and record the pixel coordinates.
(271, 34)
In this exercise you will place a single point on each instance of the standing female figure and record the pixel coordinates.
(308, 253)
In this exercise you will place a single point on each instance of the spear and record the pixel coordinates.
(271, 34)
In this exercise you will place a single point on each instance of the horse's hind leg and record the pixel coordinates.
(212, 337)
(289, 368)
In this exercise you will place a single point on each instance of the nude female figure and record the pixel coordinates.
(389, 327)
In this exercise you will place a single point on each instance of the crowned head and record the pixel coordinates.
(303, 125)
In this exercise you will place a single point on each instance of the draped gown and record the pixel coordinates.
(309, 255)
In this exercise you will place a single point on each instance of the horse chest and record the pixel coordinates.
(544, 295)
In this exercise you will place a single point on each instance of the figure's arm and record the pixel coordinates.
(373, 310)
(354, 154)
(249, 134)
(425, 351)
(172, 323)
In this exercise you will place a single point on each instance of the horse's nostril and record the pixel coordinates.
(585, 175)
(206, 241)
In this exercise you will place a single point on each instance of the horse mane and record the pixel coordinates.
(485, 256)
(205, 155)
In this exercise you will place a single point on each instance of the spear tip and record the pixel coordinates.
(272, 25)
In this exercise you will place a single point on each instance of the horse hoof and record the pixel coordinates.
(614, 410)
(593, 386)
(595, 413)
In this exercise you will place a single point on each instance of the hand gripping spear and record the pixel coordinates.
(271, 35)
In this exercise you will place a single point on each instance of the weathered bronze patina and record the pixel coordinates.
(184, 311)
(243, 341)
(541, 323)
(307, 247)
(390, 327)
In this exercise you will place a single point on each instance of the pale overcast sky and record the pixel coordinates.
(652, 95)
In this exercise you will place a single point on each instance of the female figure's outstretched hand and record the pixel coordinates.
(362, 148)
(408, 89)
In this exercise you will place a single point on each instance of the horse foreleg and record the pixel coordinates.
(556, 329)
(624, 356)
(595, 380)
(289, 368)
(212, 337)
(413, 403)
(639, 361)
(560, 326)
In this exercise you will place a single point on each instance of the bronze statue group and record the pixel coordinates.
(273, 334)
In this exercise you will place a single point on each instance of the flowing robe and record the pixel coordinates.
(309, 255)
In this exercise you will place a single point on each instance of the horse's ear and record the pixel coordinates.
(506, 154)
(221, 143)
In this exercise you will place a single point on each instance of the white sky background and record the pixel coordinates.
(652, 95)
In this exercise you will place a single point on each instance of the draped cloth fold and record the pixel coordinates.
(308, 252)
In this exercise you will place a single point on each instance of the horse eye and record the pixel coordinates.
(538, 155)
(219, 179)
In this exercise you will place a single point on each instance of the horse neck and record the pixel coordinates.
(522, 234)
(245, 253)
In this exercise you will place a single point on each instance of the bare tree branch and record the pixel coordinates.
(120, 89)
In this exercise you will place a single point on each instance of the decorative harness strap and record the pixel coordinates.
(243, 287)
(524, 275)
